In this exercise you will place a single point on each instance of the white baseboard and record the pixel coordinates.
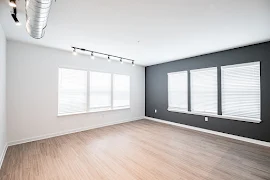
(3, 155)
(254, 141)
(46, 136)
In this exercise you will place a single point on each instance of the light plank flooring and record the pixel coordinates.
(142, 150)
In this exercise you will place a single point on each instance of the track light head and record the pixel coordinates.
(74, 52)
(109, 60)
(12, 3)
(92, 56)
(14, 16)
(133, 63)
(121, 61)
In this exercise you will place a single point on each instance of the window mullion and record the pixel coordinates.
(219, 91)
(88, 91)
(189, 91)
(112, 76)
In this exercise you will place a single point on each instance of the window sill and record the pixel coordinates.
(70, 114)
(94, 111)
(216, 116)
(121, 107)
(99, 110)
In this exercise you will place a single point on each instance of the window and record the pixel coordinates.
(178, 91)
(99, 91)
(204, 96)
(80, 93)
(241, 90)
(72, 96)
(121, 91)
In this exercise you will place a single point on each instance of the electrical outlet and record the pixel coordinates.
(155, 111)
(206, 119)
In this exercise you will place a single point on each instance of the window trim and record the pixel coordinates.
(222, 97)
(190, 82)
(90, 112)
(88, 94)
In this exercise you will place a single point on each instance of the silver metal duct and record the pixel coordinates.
(37, 13)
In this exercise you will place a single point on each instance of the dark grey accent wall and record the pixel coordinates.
(157, 92)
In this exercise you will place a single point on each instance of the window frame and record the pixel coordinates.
(88, 92)
(219, 97)
(98, 109)
(191, 97)
(120, 107)
(175, 108)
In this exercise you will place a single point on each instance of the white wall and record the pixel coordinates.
(32, 85)
(2, 94)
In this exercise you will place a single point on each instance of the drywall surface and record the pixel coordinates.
(3, 127)
(32, 91)
(157, 91)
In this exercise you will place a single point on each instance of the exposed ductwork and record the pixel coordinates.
(37, 13)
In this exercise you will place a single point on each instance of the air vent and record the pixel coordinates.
(37, 13)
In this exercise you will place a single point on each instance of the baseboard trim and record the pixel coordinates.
(249, 140)
(46, 136)
(3, 155)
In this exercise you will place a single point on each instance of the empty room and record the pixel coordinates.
(135, 90)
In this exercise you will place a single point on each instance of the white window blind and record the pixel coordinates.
(241, 90)
(178, 91)
(72, 97)
(121, 91)
(99, 91)
(204, 96)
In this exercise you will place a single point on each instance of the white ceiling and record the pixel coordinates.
(148, 31)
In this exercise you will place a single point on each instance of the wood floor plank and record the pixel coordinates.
(137, 150)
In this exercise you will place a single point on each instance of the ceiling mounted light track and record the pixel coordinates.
(12, 3)
(37, 13)
(108, 55)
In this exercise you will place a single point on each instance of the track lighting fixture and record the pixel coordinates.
(12, 3)
(74, 52)
(92, 56)
(14, 16)
(103, 54)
